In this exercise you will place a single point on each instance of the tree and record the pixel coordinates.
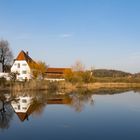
(39, 69)
(68, 75)
(78, 74)
(6, 56)
(42, 68)
(78, 66)
(87, 76)
(73, 76)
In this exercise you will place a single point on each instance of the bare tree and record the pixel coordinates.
(78, 66)
(42, 67)
(6, 56)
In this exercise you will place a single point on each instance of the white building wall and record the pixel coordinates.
(23, 70)
(22, 105)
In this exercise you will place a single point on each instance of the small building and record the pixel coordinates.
(56, 74)
(24, 66)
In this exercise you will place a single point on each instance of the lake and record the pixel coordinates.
(74, 116)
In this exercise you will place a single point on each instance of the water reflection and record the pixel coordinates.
(6, 112)
(81, 115)
(24, 104)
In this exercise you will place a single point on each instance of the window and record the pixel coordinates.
(18, 65)
(24, 64)
(24, 72)
(24, 108)
(24, 101)
(18, 107)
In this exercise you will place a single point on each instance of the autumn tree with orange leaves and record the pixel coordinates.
(39, 69)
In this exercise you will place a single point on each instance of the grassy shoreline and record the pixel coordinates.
(66, 86)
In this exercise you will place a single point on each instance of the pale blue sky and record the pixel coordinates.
(100, 33)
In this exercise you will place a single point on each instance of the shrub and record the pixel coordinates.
(13, 76)
(87, 77)
(2, 81)
(53, 86)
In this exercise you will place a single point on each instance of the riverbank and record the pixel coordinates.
(117, 87)
(66, 86)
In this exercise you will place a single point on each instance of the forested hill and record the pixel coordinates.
(110, 73)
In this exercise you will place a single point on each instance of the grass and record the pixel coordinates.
(67, 87)
(116, 79)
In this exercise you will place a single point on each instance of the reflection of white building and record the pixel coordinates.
(21, 106)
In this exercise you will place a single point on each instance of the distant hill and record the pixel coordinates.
(136, 75)
(110, 73)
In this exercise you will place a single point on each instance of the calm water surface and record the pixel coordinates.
(72, 117)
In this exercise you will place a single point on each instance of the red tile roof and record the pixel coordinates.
(59, 101)
(24, 56)
(22, 116)
(57, 70)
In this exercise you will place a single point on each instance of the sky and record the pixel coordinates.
(99, 33)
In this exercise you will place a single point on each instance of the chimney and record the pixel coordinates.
(27, 53)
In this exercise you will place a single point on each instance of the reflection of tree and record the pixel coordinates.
(77, 104)
(80, 99)
(38, 106)
(6, 113)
